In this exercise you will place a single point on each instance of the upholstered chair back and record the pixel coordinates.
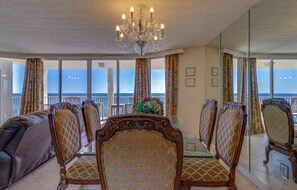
(91, 118)
(139, 152)
(230, 132)
(207, 121)
(65, 131)
(157, 102)
(278, 121)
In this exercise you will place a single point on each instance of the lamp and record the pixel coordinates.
(145, 34)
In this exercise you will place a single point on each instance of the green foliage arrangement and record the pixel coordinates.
(150, 107)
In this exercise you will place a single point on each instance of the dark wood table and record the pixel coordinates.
(192, 146)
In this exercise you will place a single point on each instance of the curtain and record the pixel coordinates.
(171, 83)
(142, 85)
(227, 78)
(243, 89)
(257, 126)
(32, 96)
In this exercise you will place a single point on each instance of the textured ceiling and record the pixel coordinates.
(273, 27)
(88, 26)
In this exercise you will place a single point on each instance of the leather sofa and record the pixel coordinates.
(25, 143)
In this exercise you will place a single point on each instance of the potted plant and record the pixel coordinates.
(150, 107)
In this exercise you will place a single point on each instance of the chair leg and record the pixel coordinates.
(232, 185)
(185, 187)
(293, 161)
(62, 185)
(267, 151)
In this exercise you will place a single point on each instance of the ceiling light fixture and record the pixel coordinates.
(145, 34)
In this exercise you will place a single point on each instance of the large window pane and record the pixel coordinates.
(158, 79)
(263, 67)
(127, 78)
(285, 78)
(51, 82)
(104, 85)
(11, 85)
(74, 81)
(235, 74)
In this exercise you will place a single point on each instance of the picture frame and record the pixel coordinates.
(214, 71)
(190, 82)
(214, 82)
(190, 71)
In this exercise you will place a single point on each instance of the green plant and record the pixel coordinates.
(147, 107)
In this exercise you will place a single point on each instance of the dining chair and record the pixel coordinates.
(65, 132)
(278, 121)
(91, 117)
(207, 121)
(157, 101)
(208, 172)
(139, 151)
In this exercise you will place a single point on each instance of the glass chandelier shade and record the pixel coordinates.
(145, 34)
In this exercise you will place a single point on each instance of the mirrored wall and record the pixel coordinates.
(263, 44)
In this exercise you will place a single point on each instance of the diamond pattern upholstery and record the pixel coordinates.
(228, 135)
(85, 168)
(203, 170)
(92, 121)
(67, 133)
(146, 158)
(206, 122)
(275, 120)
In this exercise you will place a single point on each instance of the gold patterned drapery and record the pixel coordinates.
(227, 78)
(171, 68)
(257, 126)
(243, 89)
(32, 96)
(142, 85)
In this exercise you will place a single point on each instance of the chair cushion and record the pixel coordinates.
(85, 168)
(203, 170)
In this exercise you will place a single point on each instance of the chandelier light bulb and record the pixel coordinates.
(162, 26)
(117, 28)
(152, 10)
(131, 12)
(152, 13)
(123, 16)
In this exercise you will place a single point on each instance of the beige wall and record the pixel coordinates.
(191, 99)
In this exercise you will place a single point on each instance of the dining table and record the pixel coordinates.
(193, 147)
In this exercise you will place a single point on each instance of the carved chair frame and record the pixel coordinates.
(54, 109)
(141, 122)
(241, 110)
(212, 122)
(283, 148)
(86, 103)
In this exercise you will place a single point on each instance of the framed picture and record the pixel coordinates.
(214, 71)
(214, 82)
(190, 82)
(190, 71)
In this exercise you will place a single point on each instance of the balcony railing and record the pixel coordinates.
(126, 99)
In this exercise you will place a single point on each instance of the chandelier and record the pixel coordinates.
(146, 34)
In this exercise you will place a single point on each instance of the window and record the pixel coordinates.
(51, 82)
(11, 85)
(235, 73)
(104, 85)
(74, 81)
(127, 78)
(158, 79)
(285, 78)
(263, 67)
